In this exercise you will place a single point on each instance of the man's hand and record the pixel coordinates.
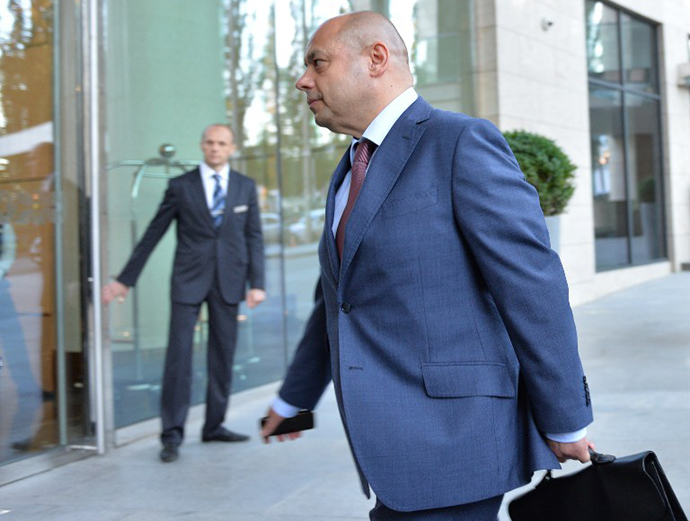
(578, 450)
(114, 290)
(275, 419)
(255, 297)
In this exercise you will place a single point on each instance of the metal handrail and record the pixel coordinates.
(166, 151)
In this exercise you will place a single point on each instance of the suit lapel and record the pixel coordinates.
(384, 170)
(336, 181)
(199, 196)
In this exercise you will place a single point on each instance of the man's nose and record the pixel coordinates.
(305, 82)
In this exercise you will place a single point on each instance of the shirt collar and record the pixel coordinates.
(378, 129)
(207, 172)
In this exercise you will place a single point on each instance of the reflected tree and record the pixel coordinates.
(241, 68)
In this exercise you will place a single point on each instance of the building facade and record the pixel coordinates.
(605, 82)
(104, 100)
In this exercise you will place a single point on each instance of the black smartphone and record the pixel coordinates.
(303, 421)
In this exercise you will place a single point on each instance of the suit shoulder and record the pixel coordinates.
(184, 178)
(446, 120)
(244, 178)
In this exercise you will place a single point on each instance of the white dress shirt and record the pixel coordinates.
(376, 132)
(209, 182)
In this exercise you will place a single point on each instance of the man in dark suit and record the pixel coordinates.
(441, 314)
(219, 252)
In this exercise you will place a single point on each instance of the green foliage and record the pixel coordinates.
(546, 167)
(647, 189)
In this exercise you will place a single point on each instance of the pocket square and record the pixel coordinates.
(241, 208)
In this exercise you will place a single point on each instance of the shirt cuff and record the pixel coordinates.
(567, 437)
(283, 408)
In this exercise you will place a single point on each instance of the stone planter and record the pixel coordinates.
(553, 224)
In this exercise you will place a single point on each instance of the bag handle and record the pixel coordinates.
(597, 458)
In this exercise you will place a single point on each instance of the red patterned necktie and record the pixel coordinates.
(365, 149)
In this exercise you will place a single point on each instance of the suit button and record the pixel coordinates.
(346, 307)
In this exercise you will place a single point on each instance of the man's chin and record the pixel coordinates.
(216, 165)
(319, 119)
(325, 122)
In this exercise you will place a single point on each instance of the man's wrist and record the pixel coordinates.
(284, 409)
(567, 437)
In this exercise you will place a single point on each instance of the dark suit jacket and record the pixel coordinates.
(230, 256)
(452, 342)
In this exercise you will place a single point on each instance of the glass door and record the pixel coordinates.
(42, 401)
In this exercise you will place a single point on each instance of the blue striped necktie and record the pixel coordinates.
(218, 208)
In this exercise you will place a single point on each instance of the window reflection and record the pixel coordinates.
(603, 55)
(28, 386)
(638, 54)
(645, 173)
(608, 178)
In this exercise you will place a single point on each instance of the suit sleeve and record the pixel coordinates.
(310, 371)
(167, 211)
(255, 242)
(498, 214)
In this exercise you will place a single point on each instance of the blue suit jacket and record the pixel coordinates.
(446, 328)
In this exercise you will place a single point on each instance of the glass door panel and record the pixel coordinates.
(603, 50)
(41, 386)
(221, 72)
(608, 178)
(644, 152)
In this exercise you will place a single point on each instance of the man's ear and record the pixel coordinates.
(378, 59)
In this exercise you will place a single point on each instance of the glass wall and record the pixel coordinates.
(171, 68)
(626, 138)
(42, 381)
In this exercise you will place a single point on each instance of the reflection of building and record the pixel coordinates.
(81, 114)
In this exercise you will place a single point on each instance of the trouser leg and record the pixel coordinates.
(177, 375)
(221, 353)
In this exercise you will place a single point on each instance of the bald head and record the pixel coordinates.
(217, 145)
(216, 126)
(356, 64)
(363, 29)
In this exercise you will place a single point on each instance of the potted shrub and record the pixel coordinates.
(646, 196)
(549, 170)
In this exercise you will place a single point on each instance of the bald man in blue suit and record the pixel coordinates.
(442, 314)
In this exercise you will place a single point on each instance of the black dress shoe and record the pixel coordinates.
(169, 453)
(224, 434)
(22, 446)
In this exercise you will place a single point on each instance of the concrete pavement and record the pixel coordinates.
(635, 345)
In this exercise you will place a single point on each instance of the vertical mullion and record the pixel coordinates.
(660, 188)
(279, 178)
(92, 124)
(626, 136)
(61, 395)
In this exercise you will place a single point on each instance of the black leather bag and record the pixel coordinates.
(632, 488)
